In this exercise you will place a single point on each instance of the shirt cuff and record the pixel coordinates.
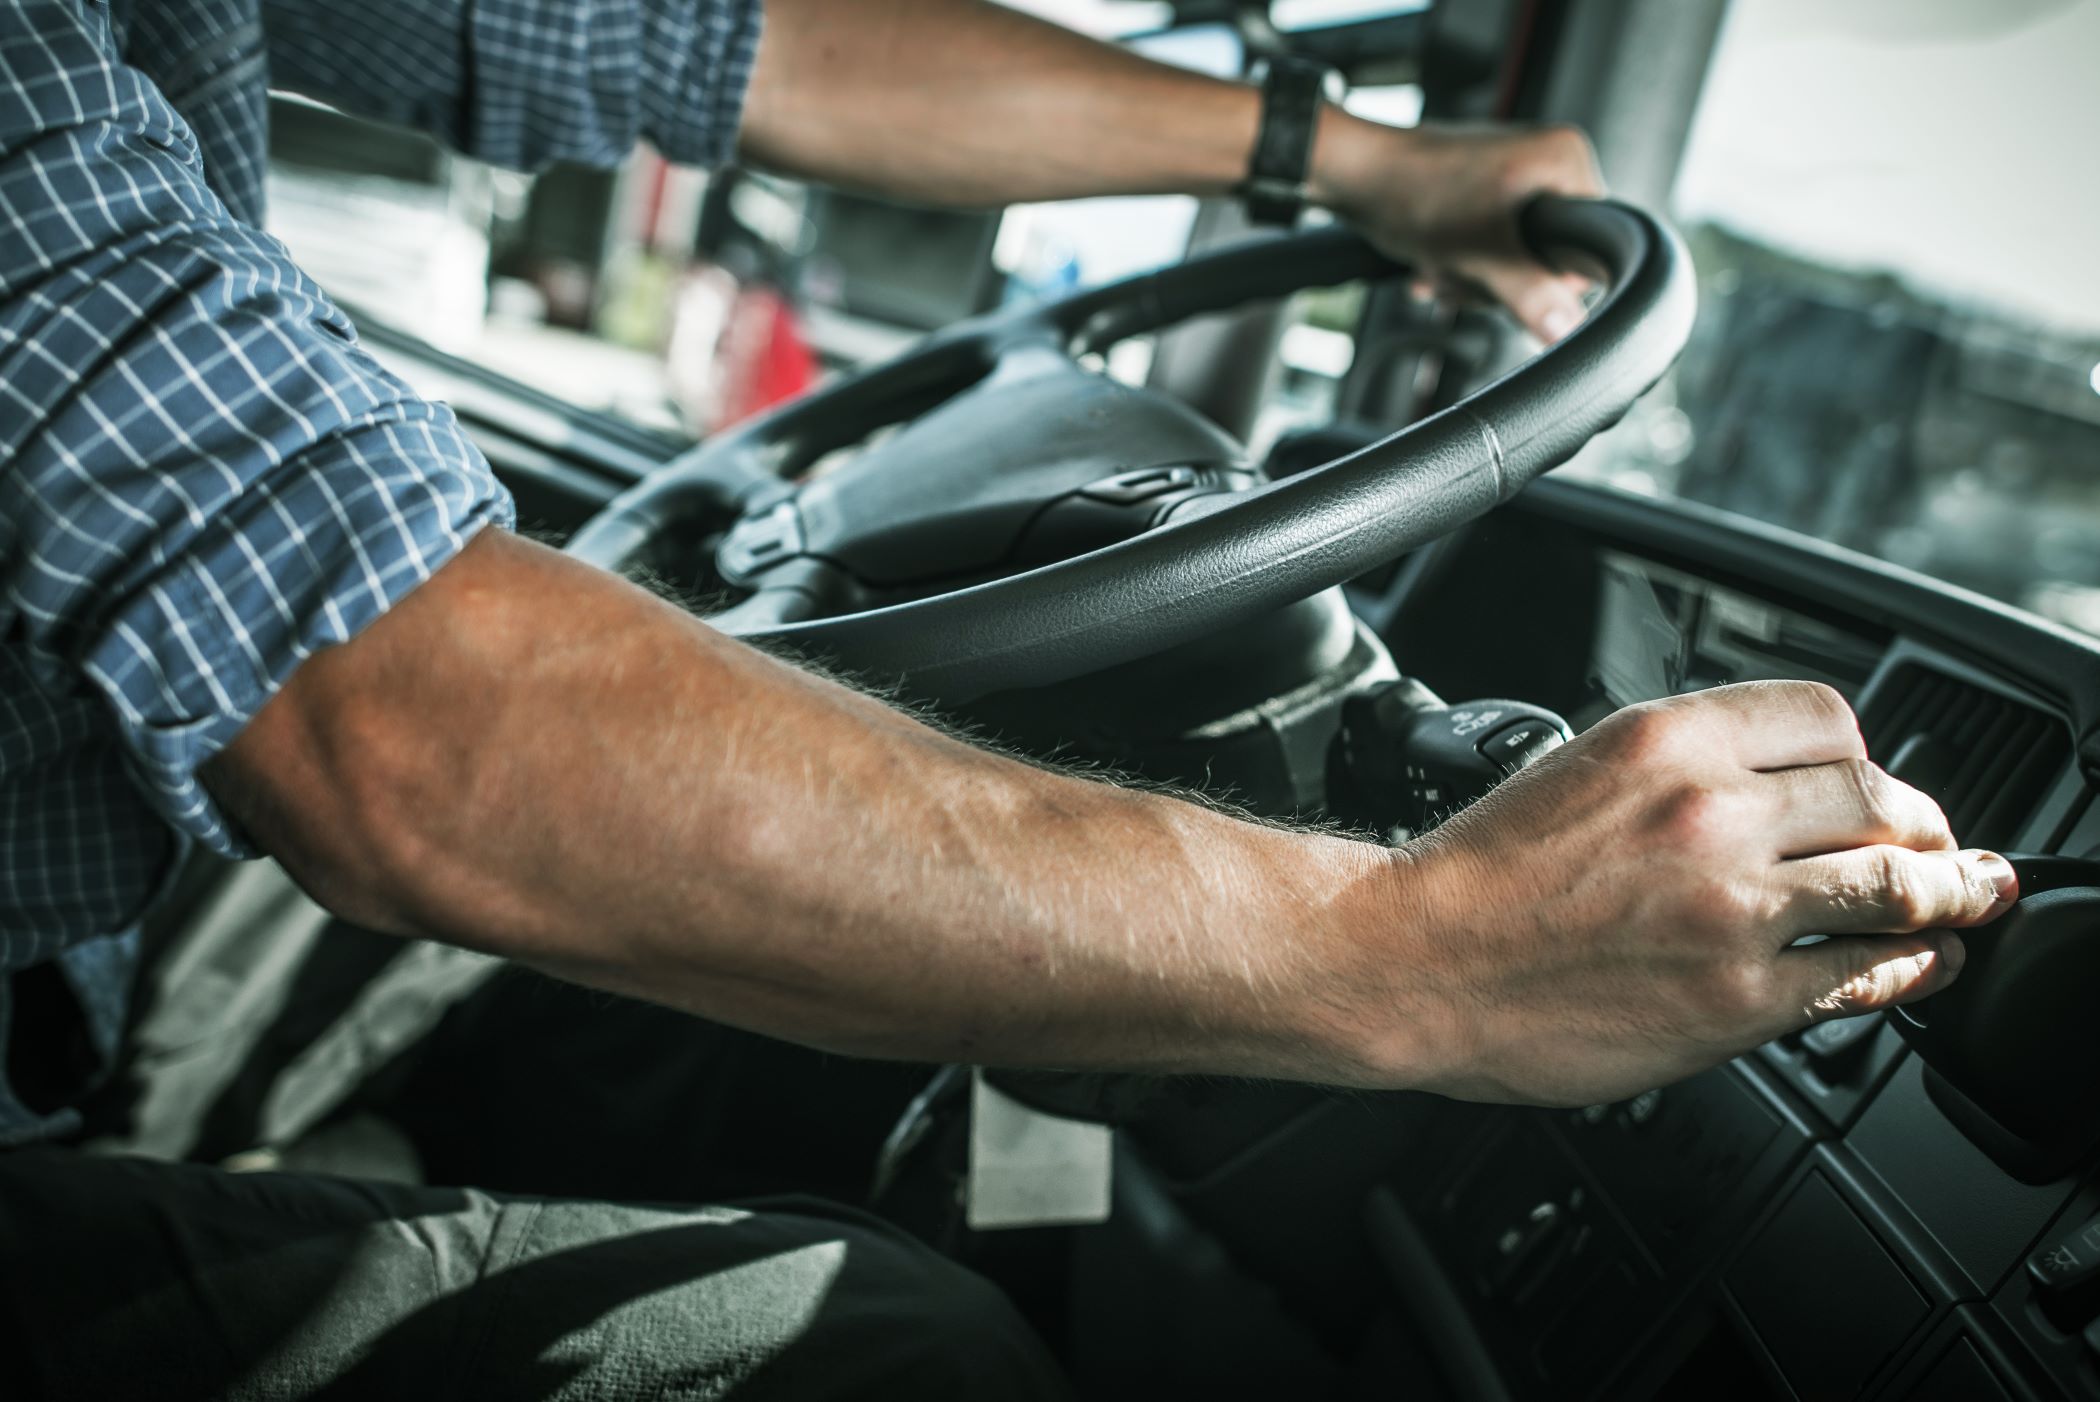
(697, 66)
(301, 560)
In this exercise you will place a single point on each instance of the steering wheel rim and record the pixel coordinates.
(1228, 558)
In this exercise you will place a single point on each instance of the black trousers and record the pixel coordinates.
(124, 1277)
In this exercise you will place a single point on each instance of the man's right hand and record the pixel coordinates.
(732, 836)
(1627, 911)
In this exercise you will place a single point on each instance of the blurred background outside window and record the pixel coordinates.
(685, 301)
(1898, 349)
(1898, 346)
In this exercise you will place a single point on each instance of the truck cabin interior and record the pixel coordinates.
(1871, 466)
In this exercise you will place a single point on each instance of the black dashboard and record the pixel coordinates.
(1811, 1221)
(1817, 1220)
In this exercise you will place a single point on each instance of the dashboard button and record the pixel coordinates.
(1833, 1041)
(1126, 488)
(2073, 1260)
(759, 543)
(1520, 743)
(1519, 1246)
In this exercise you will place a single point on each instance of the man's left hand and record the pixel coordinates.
(1446, 200)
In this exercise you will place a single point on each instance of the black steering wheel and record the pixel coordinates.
(1034, 520)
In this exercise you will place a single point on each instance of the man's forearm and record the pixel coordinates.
(966, 102)
(531, 757)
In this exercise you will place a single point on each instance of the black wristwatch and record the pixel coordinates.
(1291, 92)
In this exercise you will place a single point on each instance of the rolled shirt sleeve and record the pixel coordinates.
(203, 479)
(523, 83)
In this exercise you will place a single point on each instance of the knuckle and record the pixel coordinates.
(1978, 893)
(1723, 907)
(1824, 694)
(1694, 814)
(1839, 1000)
(1936, 815)
(1845, 895)
(1530, 299)
(1855, 990)
(1902, 896)
(1648, 733)
(1740, 990)
(1926, 813)
(1828, 705)
(1873, 791)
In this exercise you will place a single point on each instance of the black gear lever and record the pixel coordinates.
(1403, 759)
(2014, 1056)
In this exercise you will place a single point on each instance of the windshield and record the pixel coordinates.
(1891, 205)
(1892, 209)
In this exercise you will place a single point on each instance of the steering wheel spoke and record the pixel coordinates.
(770, 607)
(712, 484)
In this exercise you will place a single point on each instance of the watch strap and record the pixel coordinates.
(1275, 188)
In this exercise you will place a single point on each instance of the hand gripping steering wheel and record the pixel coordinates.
(1033, 520)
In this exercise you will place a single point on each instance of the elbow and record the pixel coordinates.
(341, 801)
(361, 774)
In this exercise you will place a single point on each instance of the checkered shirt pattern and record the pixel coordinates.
(203, 478)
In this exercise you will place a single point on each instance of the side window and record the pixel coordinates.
(1898, 347)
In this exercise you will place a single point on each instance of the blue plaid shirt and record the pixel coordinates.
(203, 478)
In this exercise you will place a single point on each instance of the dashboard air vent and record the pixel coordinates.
(1988, 759)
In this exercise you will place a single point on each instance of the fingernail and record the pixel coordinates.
(1953, 953)
(1558, 322)
(1999, 872)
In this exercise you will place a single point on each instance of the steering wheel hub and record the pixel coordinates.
(951, 495)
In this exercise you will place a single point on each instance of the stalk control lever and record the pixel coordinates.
(1403, 760)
